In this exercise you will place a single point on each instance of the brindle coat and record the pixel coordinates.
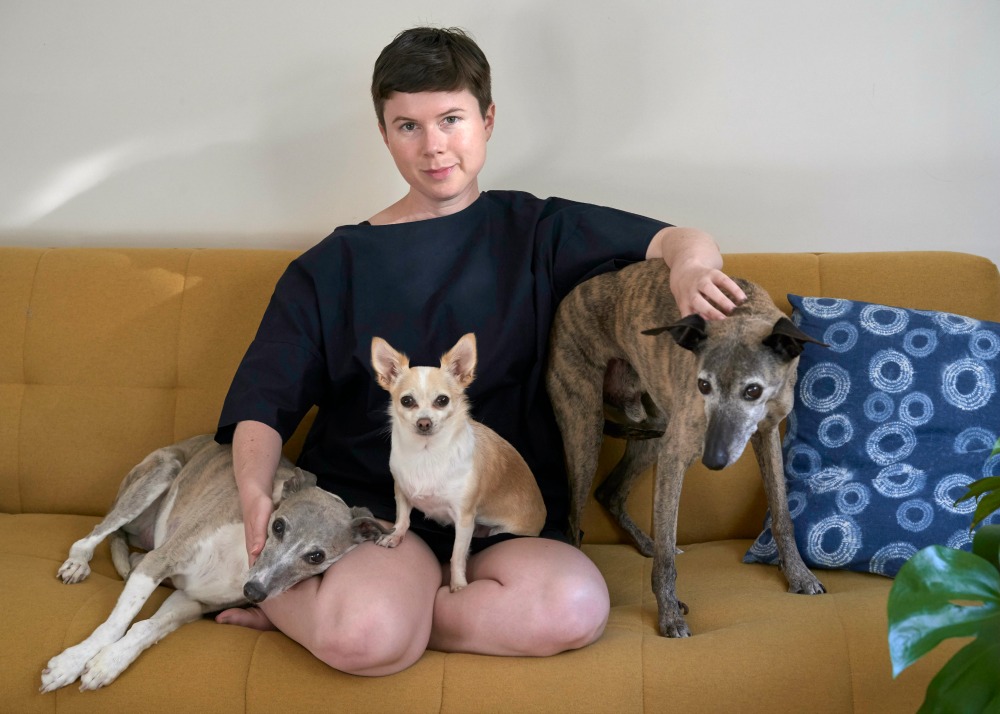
(711, 388)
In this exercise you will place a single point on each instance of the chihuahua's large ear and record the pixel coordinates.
(296, 482)
(388, 363)
(364, 526)
(689, 332)
(787, 340)
(460, 360)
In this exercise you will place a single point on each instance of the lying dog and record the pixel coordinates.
(181, 505)
(712, 387)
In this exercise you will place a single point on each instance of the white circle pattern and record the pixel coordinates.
(891, 424)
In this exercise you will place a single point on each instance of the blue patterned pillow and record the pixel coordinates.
(890, 423)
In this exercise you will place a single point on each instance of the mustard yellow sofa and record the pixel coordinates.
(106, 355)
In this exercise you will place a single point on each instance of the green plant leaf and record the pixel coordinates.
(924, 602)
(996, 448)
(988, 491)
(969, 681)
(986, 544)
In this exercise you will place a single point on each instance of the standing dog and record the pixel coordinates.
(452, 468)
(713, 386)
(181, 505)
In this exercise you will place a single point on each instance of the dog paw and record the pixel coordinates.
(672, 622)
(102, 669)
(807, 586)
(456, 586)
(390, 540)
(62, 669)
(73, 571)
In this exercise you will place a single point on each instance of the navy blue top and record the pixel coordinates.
(497, 268)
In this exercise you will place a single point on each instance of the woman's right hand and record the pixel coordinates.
(256, 452)
(256, 515)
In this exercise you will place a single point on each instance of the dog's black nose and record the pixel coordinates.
(424, 425)
(253, 592)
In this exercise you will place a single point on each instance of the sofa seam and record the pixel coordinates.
(24, 381)
(177, 352)
(246, 679)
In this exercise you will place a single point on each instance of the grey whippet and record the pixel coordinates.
(181, 505)
(712, 387)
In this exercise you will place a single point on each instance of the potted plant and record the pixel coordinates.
(942, 593)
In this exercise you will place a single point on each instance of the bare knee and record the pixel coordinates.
(371, 644)
(573, 613)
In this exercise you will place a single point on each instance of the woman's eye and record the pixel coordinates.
(408, 126)
(408, 402)
(441, 401)
(704, 387)
(451, 120)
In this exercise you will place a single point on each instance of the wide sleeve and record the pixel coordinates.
(283, 372)
(582, 241)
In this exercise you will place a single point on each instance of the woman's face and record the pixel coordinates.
(438, 141)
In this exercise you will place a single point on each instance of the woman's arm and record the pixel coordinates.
(256, 452)
(696, 277)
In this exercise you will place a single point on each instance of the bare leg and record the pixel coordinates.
(369, 614)
(528, 597)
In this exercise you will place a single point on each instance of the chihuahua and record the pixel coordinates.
(456, 470)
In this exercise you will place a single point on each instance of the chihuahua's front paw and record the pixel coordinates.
(456, 586)
(390, 540)
(73, 571)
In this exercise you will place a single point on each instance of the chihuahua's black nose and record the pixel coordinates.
(253, 592)
(424, 425)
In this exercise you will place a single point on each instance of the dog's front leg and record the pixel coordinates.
(402, 524)
(178, 609)
(669, 478)
(767, 448)
(67, 666)
(465, 526)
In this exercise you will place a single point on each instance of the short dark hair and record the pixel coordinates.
(427, 59)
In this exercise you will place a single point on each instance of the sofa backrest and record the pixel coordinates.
(108, 354)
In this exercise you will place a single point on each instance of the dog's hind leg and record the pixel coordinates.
(767, 449)
(614, 490)
(145, 483)
(178, 609)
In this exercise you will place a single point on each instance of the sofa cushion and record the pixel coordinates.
(889, 426)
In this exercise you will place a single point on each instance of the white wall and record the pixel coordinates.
(778, 125)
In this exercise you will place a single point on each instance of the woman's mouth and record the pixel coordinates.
(439, 174)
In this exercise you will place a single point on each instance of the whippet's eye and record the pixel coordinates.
(442, 401)
(408, 402)
(278, 528)
(704, 387)
(753, 392)
(316, 557)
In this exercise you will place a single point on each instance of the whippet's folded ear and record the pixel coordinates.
(296, 482)
(688, 332)
(788, 341)
(364, 526)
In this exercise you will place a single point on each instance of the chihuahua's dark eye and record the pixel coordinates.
(315, 558)
(704, 387)
(278, 528)
(408, 402)
(753, 392)
(442, 401)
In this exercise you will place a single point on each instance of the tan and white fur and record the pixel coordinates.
(710, 387)
(454, 469)
(180, 504)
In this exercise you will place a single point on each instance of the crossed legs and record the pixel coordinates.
(377, 609)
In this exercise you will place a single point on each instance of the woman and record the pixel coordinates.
(443, 260)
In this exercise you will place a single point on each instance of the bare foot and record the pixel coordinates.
(252, 617)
